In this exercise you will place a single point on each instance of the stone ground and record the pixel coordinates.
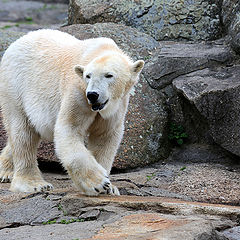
(42, 215)
(177, 199)
(166, 201)
(24, 16)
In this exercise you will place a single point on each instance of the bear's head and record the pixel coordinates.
(109, 78)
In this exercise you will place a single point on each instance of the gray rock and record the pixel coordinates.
(127, 217)
(232, 233)
(230, 18)
(215, 94)
(175, 19)
(52, 1)
(6, 38)
(31, 211)
(32, 12)
(134, 43)
(200, 153)
(175, 59)
(92, 214)
(210, 235)
(234, 32)
(229, 10)
(83, 230)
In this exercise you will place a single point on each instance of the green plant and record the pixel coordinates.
(63, 221)
(183, 168)
(177, 134)
(50, 222)
(60, 207)
(149, 177)
(28, 19)
(147, 57)
(6, 27)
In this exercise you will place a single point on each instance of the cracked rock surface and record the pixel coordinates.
(65, 214)
(163, 20)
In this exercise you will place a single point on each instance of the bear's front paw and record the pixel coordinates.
(109, 189)
(6, 175)
(6, 169)
(29, 184)
(93, 182)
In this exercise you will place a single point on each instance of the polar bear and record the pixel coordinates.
(58, 88)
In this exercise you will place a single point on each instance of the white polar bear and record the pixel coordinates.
(56, 87)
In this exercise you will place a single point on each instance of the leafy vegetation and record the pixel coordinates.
(64, 221)
(149, 177)
(60, 208)
(177, 134)
(50, 222)
(183, 168)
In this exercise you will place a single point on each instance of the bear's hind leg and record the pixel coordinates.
(27, 176)
(6, 164)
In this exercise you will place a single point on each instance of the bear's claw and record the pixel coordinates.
(6, 176)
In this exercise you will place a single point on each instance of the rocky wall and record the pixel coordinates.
(173, 19)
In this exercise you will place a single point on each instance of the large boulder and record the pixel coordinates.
(234, 32)
(174, 19)
(229, 10)
(231, 22)
(174, 59)
(214, 92)
(145, 140)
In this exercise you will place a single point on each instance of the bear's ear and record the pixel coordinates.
(79, 70)
(137, 67)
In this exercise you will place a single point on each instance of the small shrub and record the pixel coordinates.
(149, 177)
(177, 134)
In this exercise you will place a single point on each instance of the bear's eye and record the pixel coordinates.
(88, 76)
(108, 75)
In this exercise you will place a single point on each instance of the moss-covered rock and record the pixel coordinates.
(173, 19)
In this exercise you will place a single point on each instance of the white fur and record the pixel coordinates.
(43, 97)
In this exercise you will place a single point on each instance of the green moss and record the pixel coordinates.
(50, 222)
(63, 221)
(6, 27)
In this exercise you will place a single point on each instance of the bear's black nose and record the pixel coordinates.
(92, 97)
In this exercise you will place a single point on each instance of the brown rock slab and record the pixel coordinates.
(138, 226)
(158, 204)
